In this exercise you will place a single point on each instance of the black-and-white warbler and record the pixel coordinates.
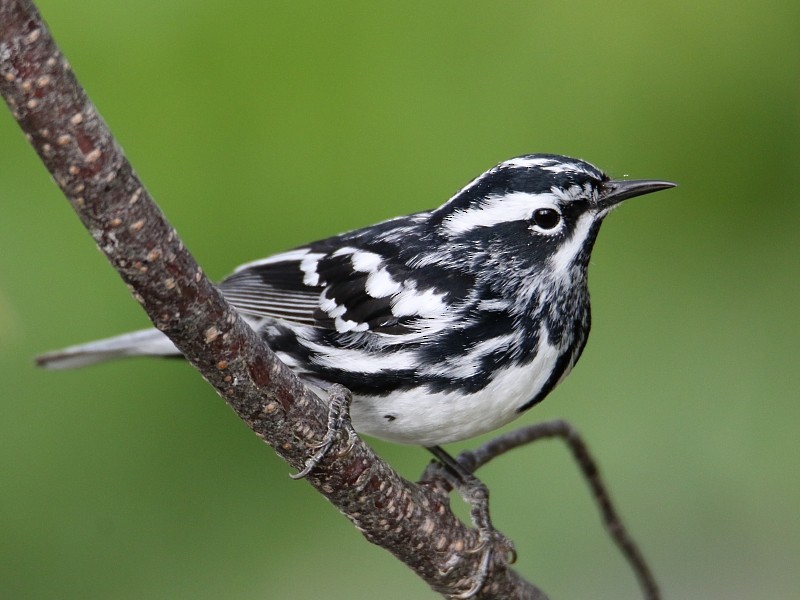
(444, 324)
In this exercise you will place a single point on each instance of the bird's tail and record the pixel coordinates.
(147, 342)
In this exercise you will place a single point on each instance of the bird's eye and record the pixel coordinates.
(546, 218)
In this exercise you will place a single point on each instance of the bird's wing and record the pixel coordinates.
(273, 287)
(345, 289)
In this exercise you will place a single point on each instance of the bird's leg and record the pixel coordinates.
(476, 494)
(338, 420)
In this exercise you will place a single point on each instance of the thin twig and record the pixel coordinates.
(474, 459)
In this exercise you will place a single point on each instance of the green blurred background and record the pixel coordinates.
(262, 125)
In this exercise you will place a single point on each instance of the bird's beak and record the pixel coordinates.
(614, 192)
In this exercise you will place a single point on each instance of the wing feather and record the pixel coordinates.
(308, 287)
(339, 286)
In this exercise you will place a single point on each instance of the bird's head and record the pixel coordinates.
(535, 212)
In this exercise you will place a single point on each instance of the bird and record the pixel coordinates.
(443, 324)
(440, 325)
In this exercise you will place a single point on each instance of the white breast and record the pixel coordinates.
(430, 419)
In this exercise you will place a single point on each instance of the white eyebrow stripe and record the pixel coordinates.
(516, 206)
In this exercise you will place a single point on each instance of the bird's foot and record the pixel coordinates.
(338, 421)
(492, 544)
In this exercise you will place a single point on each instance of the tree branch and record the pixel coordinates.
(411, 521)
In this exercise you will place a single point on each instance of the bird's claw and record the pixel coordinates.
(493, 545)
(490, 542)
(338, 420)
